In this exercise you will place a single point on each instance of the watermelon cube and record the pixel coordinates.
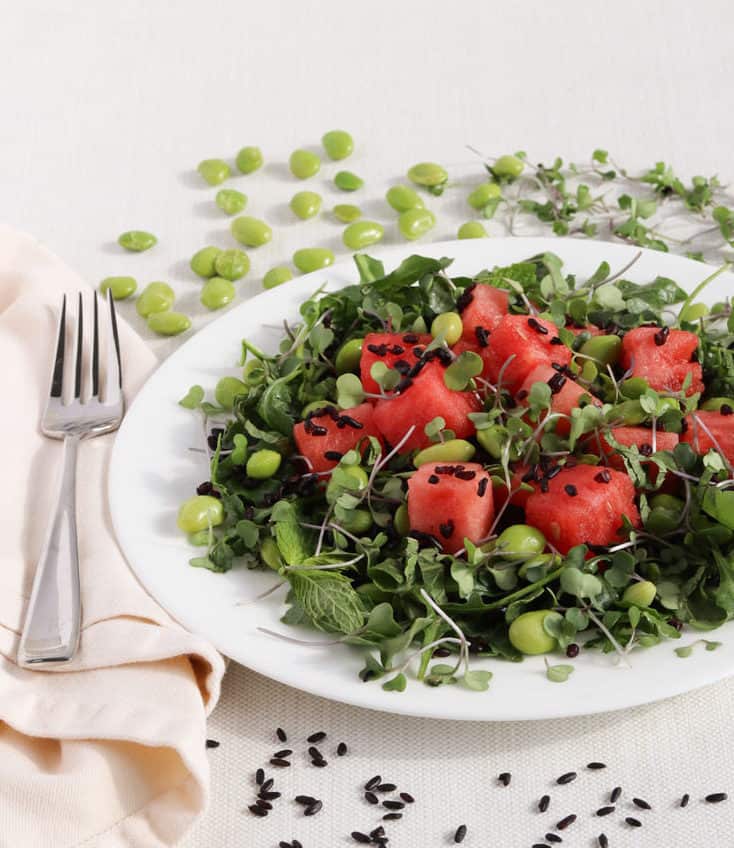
(482, 307)
(663, 357)
(451, 503)
(424, 398)
(708, 429)
(323, 438)
(390, 348)
(583, 504)
(566, 394)
(628, 436)
(520, 343)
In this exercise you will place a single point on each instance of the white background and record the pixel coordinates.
(105, 109)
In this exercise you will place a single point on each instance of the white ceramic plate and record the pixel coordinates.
(153, 469)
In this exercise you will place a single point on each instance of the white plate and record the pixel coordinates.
(153, 469)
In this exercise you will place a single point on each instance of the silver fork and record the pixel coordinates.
(53, 619)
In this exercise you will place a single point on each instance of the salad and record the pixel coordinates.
(516, 463)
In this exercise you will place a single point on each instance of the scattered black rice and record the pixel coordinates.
(537, 326)
(684, 800)
(296, 844)
(661, 336)
(602, 840)
(305, 800)
(605, 811)
(320, 763)
(259, 777)
(315, 753)
(378, 832)
(482, 486)
(385, 787)
(540, 845)
(553, 837)
(371, 798)
(286, 752)
(312, 809)
(568, 777)
(281, 734)
(614, 796)
(334, 456)
(633, 822)
(641, 803)
(373, 781)
(572, 650)
(266, 805)
(725, 409)
(212, 743)
(716, 797)
(407, 797)
(596, 766)
(357, 836)
(267, 785)
(392, 816)
(570, 490)
(284, 844)
(544, 803)
(433, 479)
(268, 796)
(505, 778)
(566, 822)
(460, 834)
(277, 761)
(341, 749)
(393, 805)
(257, 811)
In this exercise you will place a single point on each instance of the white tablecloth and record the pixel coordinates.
(106, 109)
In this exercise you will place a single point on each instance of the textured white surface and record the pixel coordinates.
(107, 107)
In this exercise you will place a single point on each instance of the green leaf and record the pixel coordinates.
(289, 535)
(575, 582)
(274, 405)
(192, 398)
(466, 366)
(369, 269)
(558, 673)
(477, 680)
(328, 599)
(380, 625)
(320, 338)
(395, 684)
(349, 391)
(684, 651)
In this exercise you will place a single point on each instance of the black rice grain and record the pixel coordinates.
(257, 811)
(633, 822)
(684, 800)
(385, 787)
(315, 753)
(284, 844)
(570, 490)
(605, 811)
(566, 822)
(296, 844)
(268, 796)
(460, 834)
(373, 781)
(602, 840)
(596, 766)
(537, 326)
(568, 777)
(393, 805)
(378, 832)
(312, 809)
(267, 785)
(716, 797)
(212, 743)
(505, 778)
(281, 734)
(540, 845)
(572, 650)
(341, 749)
(286, 752)
(305, 800)
(371, 798)
(277, 761)
(544, 803)
(392, 816)
(357, 836)
(553, 837)
(614, 796)
(407, 797)
(265, 805)
(319, 763)
(259, 777)
(641, 803)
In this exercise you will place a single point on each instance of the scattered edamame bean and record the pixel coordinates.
(471, 229)
(448, 326)
(304, 164)
(202, 262)
(277, 276)
(640, 594)
(508, 167)
(312, 259)
(528, 635)
(427, 174)
(402, 198)
(492, 439)
(214, 171)
(217, 292)
(230, 201)
(714, 404)
(414, 223)
(401, 520)
(168, 323)
(252, 232)
(693, 312)
(361, 234)
(454, 450)
(604, 349)
(348, 356)
(155, 297)
(249, 159)
(305, 204)
(484, 193)
(357, 521)
(347, 213)
(121, 287)
(227, 390)
(520, 541)
(232, 264)
(338, 144)
(136, 240)
(199, 513)
(263, 464)
(347, 181)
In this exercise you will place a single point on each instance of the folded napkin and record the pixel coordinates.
(110, 750)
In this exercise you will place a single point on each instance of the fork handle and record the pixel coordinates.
(53, 619)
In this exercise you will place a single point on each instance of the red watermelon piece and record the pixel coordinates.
(426, 398)
(333, 432)
(482, 306)
(451, 502)
(662, 357)
(530, 341)
(566, 395)
(389, 348)
(702, 425)
(583, 504)
(628, 436)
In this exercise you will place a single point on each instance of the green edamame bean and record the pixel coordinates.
(252, 232)
(604, 349)
(263, 464)
(520, 541)
(227, 390)
(202, 262)
(641, 594)
(714, 404)
(448, 326)
(471, 229)
(358, 521)
(508, 167)
(155, 297)
(483, 194)
(137, 240)
(168, 323)
(249, 159)
(230, 201)
(348, 356)
(338, 144)
(270, 554)
(347, 181)
(492, 439)
(214, 171)
(361, 234)
(454, 450)
(276, 276)
(401, 521)
(669, 502)
(693, 312)
(305, 204)
(312, 259)
(402, 198)
(356, 473)
(232, 264)
(427, 174)
(120, 287)
(304, 164)
(200, 512)
(415, 223)
(217, 292)
(346, 212)
(528, 635)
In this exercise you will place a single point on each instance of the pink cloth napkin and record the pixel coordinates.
(110, 750)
